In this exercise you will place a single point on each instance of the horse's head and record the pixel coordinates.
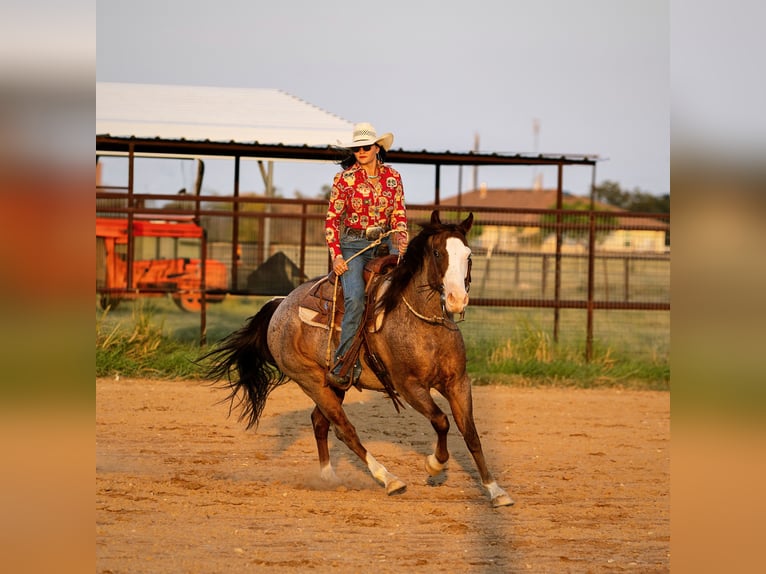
(439, 254)
(452, 262)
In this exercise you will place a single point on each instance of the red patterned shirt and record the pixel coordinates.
(359, 201)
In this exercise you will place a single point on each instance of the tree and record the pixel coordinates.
(611, 193)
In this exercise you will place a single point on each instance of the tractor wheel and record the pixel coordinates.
(189, 302)
(192, 302)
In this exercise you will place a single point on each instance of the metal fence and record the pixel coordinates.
(553, 260)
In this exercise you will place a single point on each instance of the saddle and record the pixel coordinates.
(316, 309)
(317, 305)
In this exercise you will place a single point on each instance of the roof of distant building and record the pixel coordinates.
(532, 199)
(512, 198)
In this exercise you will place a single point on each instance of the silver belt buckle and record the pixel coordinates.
(373, 233)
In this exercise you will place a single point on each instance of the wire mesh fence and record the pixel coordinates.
(581, 277)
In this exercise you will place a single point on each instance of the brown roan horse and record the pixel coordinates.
(417, 341)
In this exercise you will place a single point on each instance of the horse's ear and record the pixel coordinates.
(465, 226)
(435, 216)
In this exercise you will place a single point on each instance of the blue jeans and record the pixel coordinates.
(353, 288)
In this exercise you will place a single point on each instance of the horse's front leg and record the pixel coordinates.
(461, 404)
(436, 462)
(421, 401)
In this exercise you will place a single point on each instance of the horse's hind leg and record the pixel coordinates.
(321, 429)
(329, 410)
(461, 404)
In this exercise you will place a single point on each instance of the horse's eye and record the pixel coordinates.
(436, 253)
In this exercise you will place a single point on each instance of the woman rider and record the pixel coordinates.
(366, 200)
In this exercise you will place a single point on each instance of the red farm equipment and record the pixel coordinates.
(165, 272)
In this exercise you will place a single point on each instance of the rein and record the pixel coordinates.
(445, 318)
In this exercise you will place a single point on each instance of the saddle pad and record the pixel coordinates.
(317, 304)
(311, 317)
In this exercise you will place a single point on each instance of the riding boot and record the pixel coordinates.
(344, 382)
(340, 382)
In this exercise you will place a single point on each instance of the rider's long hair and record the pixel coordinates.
(348, 158)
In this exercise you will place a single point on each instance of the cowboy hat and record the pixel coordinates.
(365, 134)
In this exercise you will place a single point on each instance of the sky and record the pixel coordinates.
(593, 74)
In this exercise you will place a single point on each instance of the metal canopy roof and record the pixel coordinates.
(245, 122)
(211, 113)
(157, 146)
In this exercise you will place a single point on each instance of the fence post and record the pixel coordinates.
(203, 288)
(591, 274)
(627, 278)
(131, 255)
(236, 250)
(557, 270)
(302, 253)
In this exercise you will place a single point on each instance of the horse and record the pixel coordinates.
(418, 343)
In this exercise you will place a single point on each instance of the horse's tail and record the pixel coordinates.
(257, 374)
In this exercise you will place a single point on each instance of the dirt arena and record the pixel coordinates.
(182, 488)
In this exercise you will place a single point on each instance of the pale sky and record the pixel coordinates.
(594, 73)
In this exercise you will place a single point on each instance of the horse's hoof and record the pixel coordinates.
(396, 486)
(327, 474)
(433, 466)
(502, 500)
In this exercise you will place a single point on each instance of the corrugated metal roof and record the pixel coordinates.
(244, 115)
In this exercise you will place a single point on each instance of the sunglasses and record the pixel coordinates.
(361, 148)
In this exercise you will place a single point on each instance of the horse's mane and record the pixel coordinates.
(412, 262)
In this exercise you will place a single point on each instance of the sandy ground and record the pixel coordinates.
(182, 488)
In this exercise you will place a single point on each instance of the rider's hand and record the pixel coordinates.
(339, 265)
(402, 243)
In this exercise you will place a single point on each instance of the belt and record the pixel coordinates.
(370, 234)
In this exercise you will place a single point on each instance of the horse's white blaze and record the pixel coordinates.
(455, 296)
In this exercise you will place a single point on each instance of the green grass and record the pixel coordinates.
(139, 348)
(152, 338)
(516, 346)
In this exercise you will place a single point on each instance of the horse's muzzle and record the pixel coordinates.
(456, 303)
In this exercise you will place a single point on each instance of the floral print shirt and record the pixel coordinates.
(359, 201)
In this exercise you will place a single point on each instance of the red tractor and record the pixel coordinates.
(179, 276)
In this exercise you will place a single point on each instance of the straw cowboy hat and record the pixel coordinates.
(365, 134)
